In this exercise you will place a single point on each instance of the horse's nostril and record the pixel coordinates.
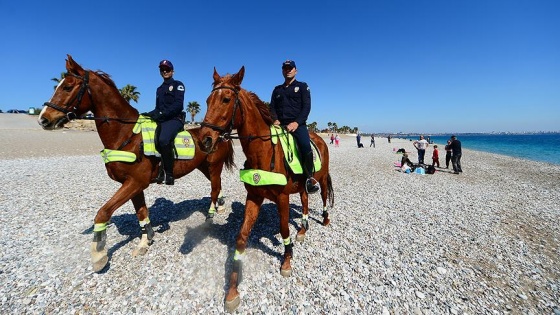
(43, 121)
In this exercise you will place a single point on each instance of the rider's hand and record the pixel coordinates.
(292, 126)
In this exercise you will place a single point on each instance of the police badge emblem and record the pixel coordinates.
(256, 178)
(170, 88)
(296, 89)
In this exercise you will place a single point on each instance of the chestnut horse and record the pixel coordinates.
(231, 107)
(84, 90)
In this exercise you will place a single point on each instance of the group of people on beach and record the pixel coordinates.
(335, 138)
(453, 154)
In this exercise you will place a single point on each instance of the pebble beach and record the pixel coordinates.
(486, 241)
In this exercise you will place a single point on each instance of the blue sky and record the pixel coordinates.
(381, 66)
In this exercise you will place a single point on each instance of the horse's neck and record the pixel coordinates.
(113, 132)
(255, 139)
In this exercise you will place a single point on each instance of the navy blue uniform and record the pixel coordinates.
(170, 97)
(293, 103)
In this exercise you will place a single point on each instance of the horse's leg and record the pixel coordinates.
(99, 257)
(300, 237)
(142, 213)
(283, 204)
(252, 206)
(326, 186)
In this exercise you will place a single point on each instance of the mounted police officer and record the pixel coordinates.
(290, 105)
(169, 116)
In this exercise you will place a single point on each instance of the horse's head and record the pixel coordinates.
(71, 98)
(224, 111)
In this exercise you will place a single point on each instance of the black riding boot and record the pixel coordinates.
(167, 161)
(311, 185)
(161, 173)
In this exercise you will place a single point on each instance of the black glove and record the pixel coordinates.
(154, 115)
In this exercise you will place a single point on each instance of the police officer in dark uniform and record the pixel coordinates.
(169, 116)
(290, 105)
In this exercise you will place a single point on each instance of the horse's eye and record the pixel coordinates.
(67, 88)
(226, 100)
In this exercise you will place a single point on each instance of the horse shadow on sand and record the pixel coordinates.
(163, 212)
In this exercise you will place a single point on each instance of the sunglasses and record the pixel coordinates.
(162, 70)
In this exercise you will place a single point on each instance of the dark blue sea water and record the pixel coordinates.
(535, 147)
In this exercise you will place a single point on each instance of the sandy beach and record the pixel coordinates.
(483, 242)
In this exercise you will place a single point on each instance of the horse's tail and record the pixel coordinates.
(330, 191)
(229, 162)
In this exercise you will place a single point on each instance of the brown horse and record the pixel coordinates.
(84, 90)
(231, 107)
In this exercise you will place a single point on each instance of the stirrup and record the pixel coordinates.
(311, 187)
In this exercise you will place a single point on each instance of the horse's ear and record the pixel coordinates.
(216, 76)
(73, 67)
(238, 77)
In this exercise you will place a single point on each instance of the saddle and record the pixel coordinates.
(292, 158)
(184, 144)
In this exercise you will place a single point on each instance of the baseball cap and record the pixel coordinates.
(166, 63)
(289, 63)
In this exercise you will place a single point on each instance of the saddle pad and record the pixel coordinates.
(184, 143)
(291, 153)
(261, 178)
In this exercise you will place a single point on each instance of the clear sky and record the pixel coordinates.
(381, 66)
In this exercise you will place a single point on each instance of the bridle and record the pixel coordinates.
(225, 132)
(68, 109)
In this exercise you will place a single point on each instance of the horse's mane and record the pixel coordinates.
(106, 78)
(262, 107)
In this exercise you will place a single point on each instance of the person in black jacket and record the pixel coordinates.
(456, 153)
(169, 116)
(290, 105)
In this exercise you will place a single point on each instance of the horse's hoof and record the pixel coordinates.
(139, 251)
(326, 222)
(300, 238)
(286, 272)
(221, 209)
(233, 304)
(99, 264)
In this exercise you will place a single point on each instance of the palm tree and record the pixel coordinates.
(312, 127)
(129, 93)
(57, 80)
(193, 108)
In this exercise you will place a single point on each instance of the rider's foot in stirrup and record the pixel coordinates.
(312, 186)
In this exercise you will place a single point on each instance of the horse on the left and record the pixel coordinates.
(82, 91)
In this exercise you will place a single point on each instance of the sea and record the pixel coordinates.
(535, 147)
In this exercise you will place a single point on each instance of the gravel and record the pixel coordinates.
(485, 241)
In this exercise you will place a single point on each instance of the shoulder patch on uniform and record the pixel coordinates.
(181, 88)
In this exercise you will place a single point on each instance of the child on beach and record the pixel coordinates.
(336, 140)
(435, 156)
